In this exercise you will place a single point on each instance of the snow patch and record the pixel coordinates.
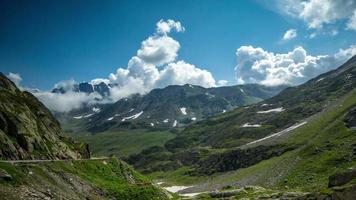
(183, 110)
(194, 118)
(174, 123)
(279, 133)
(209, 95)
(152, 124)
(265, 104)
(78, 117)
(94, 109)
(132, 109)
(111, 118)
(224, 111)
(166, 121)
(242, 90)
(251, 125)
(175, 189)
(280, 109)
(191, 194)
(135, 116)
(320, 79)
(88, 115)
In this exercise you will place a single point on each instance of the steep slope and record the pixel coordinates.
(171, 107)
(38, 162)
(272, 115)
(221, 143)
(323, 147)
(75, 180)
(29, 131)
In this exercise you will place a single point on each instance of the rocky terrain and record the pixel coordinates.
(28, 130)
(291, 142)
(167, 108)
(38, 162)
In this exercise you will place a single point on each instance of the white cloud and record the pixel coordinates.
(222, 82)
(154, 66)
(67, 85)
(16, 78)
(290, 34)
(180, 73)
(66, 102)
(351, 24)
(158, 50)
(317, 13)
(164, 27)
(255, 65)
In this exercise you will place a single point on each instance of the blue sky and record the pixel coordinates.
(49, 41)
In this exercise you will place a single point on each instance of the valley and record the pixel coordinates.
(178, 100)
(278, 148)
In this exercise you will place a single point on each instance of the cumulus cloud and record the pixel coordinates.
(222, 82)
(158, 50)
(180, 73)
(16, 78)
(317, 13)
(164, 27)
(255, 65)
(154, 66)
(290, 34)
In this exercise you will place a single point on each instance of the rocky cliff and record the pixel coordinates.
(29, 131)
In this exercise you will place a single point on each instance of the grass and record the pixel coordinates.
(124, 142)
(325, 147)
(114, 177)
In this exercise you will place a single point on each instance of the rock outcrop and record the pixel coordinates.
(29, 131)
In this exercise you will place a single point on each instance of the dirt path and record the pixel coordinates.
(38, 161)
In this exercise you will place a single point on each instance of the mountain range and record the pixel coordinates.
(246, 141)
(102, 88)
(37, 161)
(171, 107)
(296, 139)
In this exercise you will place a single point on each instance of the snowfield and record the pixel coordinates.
(175, 189)
(280, 109)
(94, 109)
(279, 133)
(183, 110)
(251, 125)
(135, 116)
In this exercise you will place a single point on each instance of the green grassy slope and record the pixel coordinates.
(94, 179)
(325, 145)
(123, 143)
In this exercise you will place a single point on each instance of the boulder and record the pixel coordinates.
(342, 178)
(4, 175)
